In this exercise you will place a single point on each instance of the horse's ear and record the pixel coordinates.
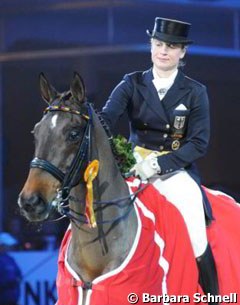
(48, 92)
(77, 88)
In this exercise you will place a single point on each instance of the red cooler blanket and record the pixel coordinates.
(160, 267)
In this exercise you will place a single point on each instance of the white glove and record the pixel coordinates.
(147, 168)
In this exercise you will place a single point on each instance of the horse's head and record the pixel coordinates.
(61, 148)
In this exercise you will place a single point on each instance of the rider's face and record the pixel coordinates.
(166, 56)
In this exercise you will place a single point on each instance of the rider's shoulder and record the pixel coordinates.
(194, 83)
(136, 76)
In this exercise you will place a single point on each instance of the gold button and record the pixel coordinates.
(161, 147)
(165, 135)
(167, 126)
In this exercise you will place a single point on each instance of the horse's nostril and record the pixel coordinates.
(33, 207)
(31, 203)
(28, 207)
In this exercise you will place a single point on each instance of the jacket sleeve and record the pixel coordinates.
(118, 102)
(197, 137)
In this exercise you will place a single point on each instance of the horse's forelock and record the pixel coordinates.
(66, 99)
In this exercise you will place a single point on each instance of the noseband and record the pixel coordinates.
(68, 179)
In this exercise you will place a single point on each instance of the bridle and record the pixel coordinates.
(69, 179)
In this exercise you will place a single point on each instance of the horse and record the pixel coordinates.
(123, 244)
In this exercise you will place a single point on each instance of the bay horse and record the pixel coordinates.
(126, 243)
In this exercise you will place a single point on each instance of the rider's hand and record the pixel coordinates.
(146, 168)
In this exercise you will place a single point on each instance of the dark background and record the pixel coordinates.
(103, 40)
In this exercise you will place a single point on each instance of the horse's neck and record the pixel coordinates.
(94, 251)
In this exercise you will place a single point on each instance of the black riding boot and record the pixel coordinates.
(208, 274)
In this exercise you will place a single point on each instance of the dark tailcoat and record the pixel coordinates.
(178, 123)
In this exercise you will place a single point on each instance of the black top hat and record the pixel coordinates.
(172, 31)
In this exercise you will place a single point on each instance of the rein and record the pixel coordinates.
(68, 180)
(80, 218)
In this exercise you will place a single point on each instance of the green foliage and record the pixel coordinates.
(123, 153)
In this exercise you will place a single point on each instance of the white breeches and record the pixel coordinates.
(181, 190)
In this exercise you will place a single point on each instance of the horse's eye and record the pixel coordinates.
(74, 135)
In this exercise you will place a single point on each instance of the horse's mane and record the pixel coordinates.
(121, 148)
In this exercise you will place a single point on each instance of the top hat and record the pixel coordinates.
(172, 31)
